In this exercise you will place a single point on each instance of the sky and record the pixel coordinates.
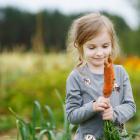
(119, 7)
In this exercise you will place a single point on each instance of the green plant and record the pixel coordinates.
(38, 127)
(110, 131)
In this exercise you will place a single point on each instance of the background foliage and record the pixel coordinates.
(23, 30)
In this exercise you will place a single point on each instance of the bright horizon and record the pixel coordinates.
(118, 7)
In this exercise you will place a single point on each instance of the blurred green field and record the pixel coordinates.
(28, 77)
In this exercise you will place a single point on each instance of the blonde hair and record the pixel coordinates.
(86, 28)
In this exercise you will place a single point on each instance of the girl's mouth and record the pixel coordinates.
(98, 58)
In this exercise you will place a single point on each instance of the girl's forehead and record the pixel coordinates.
(101, 38)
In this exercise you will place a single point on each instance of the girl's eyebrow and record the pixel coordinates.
(107, 43)
(91, 44)
(102, 43)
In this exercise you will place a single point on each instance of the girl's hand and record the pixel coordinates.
(101, 104)
(108, 113)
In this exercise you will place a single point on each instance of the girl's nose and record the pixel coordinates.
(99, 52)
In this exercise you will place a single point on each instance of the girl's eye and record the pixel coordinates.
(91, 47)
(105, 46)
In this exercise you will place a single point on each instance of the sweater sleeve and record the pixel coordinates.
(76, 111)
(126, 110)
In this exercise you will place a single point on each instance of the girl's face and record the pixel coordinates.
(97, 50)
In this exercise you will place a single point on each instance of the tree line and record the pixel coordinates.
(49, 29)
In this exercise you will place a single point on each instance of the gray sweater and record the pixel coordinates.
(83, 87)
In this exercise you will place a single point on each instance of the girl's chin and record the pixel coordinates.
(97, 63)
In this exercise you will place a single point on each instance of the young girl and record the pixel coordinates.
(94, 38)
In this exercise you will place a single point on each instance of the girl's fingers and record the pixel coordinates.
(103, 105)
(103, 99)
(107, 114)
(106, 102)
(108, 110)
(100, 109)
(107, 117)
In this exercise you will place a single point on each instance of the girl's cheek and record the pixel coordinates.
(91, 52)
(107, 52)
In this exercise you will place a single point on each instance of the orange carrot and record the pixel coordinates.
(109, 78)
